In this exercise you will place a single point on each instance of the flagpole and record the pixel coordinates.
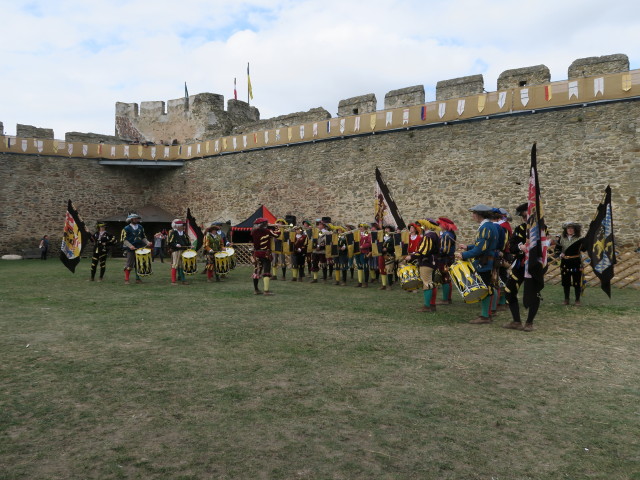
(248, 85)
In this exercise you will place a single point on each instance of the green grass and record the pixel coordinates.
(107, 381)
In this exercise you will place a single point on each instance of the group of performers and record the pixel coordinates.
(427, 255)
(490, 270)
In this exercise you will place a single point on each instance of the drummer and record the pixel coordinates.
(482, 253)
(426, 256)
(178, 242)
(133, 238)
(213, 243)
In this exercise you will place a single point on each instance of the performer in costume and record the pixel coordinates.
(299, 255)
(569, 246)
(447, 256)
(101, 241)
(362, 258)
(306, 226)
(319, 257)
(517, 253)
(178, 242)
(496, 216)
(279, 259)
(426, 255)
(133, 237)
(261, 237)
(503, 267)
(386, 261)
(342, 260)
(212, 244)
(415, 237)
(374, 260)
(482, 254)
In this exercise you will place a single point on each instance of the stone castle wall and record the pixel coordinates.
(432, 170)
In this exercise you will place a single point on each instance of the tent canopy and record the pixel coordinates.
(247, 224)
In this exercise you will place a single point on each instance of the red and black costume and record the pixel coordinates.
(261, 237)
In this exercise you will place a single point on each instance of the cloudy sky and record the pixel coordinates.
(65, 63)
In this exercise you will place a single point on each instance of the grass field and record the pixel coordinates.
(107, 381)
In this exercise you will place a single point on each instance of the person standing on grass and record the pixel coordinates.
(426, 255)
(569, 246)
(158, 245)
(482, 254)
(178, 242)
(101, 241)
(134, 238)
(261, 237)
(517, 250)
(44, 247)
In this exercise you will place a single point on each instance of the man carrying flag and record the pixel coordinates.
(535, 260)
(600, 244)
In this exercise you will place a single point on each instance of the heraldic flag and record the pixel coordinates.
(194, 231)
(537, 241)
(74, 238)
(600, 245)
(386, 211)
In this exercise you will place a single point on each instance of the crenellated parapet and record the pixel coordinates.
(181, 120)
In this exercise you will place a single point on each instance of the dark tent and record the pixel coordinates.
(239, 232)
(154, 219)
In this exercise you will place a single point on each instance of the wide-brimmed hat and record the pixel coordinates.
(100, 224)
(481, 208)
(131, 216)
(521, 209)
(447, 224)
(571, 224)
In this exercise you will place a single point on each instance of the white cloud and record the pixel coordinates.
(66, 63)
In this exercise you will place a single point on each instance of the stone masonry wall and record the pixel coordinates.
(441, 170)
(432, 172)
(35, 191)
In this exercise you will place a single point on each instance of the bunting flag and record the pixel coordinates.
(386, 211)
(194, 231)
(423, 113)
(535, 261)
(74, 238)
(249, 88)
(548, 94)
(600, 245)
(235, 91)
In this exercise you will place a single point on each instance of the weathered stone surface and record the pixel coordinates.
(525, 76)
(431, 172)
(357, 105)
(91, 138)
(589, 66)
(404, 97)
(29, 131)
(459, 87)
(313, 115)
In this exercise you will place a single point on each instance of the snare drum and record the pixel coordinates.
(409, 276)
(468, 282)
(232, 257)
(143, 262)
(222, 262)
(189, 261)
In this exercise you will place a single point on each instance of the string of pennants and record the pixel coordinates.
(555, 94)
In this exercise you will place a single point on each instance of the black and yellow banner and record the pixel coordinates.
(74, 238)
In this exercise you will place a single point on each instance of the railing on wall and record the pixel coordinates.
(524, 99)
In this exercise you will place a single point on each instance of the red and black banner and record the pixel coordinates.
(194, 231)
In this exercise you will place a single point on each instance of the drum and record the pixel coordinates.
(232, 257)
(143, 262)
(189, 261)
(468, 282)
(409, 276)
(222, 262)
